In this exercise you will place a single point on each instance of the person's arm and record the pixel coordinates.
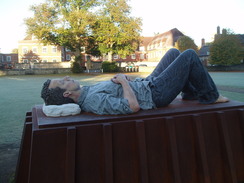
(127, 90)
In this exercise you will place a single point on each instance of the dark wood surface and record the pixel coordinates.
(177, 107)
(185, 142)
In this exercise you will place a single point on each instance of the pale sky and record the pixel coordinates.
(194, 18)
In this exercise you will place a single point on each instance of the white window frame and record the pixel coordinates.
(142, 48)
(116, 56)
(44, 49)
(8, 58)
(34, 50)
(54, 60)
(83, 49)
(54, 49)
(133, 56)
(25, 50)
(67, 50)
(142, 56)
(68, 57)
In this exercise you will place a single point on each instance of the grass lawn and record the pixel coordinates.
(20, 93)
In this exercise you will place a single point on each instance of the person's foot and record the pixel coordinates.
(222, 99)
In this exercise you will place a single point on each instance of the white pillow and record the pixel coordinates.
(61, 110)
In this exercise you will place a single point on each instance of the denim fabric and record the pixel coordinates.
(181, 72)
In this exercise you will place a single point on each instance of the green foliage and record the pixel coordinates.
(184, 43)
(63, 23)
(102, 26)
(110, 66)
(115, 31)
(76, 65)
(15, 50)
(225, 50)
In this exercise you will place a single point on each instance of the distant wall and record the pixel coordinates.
(47, 65)
(239, 67)
(34, 71)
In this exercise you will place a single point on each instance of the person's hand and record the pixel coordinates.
(119, 78)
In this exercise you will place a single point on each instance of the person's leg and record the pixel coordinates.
(187, 67)
(166, 60)
(189, 92)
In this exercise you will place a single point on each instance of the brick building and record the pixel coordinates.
(8, 60)
(204, 51)
(151, 49)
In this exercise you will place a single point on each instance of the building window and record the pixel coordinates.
(83, 49)
(141, 56)
(54, 49)
(142, 48)
(25, 50)
(8, 58)
(133, 56)
(68, 57)
(25, 61)
(45, 60)
(34, 50)
(54, 60)
(116, 56)
(44, 49)
(67, 50)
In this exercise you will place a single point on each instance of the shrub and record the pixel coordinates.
(110, 67)
(76, 65)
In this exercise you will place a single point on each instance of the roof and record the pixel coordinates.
(29, 37)
(168, 38)
(241, 37)
(146, 41)
(204, 50)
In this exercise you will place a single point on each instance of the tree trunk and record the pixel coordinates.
(78, 56)
(110, 56)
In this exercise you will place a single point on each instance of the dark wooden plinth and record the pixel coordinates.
(185, 142)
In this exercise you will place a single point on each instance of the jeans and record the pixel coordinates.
(181, 72)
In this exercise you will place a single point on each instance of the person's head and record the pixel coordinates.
(59, 91)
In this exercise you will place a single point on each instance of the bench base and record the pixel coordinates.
(184, 142)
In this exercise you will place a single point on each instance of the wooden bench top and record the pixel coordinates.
(177, 107)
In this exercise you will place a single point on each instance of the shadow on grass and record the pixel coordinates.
(8, 159)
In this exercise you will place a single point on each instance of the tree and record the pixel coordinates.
(116, 32)
(184, 43)
(225, 50)
(15, 50)
(63, 23)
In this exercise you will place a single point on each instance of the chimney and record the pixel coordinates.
(203, 42)
(218, 30)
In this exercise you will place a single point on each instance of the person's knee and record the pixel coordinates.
(174, 51)
(190, 51)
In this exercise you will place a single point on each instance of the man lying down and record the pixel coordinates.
(176, 73)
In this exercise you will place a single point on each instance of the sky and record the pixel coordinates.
(194, 18)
